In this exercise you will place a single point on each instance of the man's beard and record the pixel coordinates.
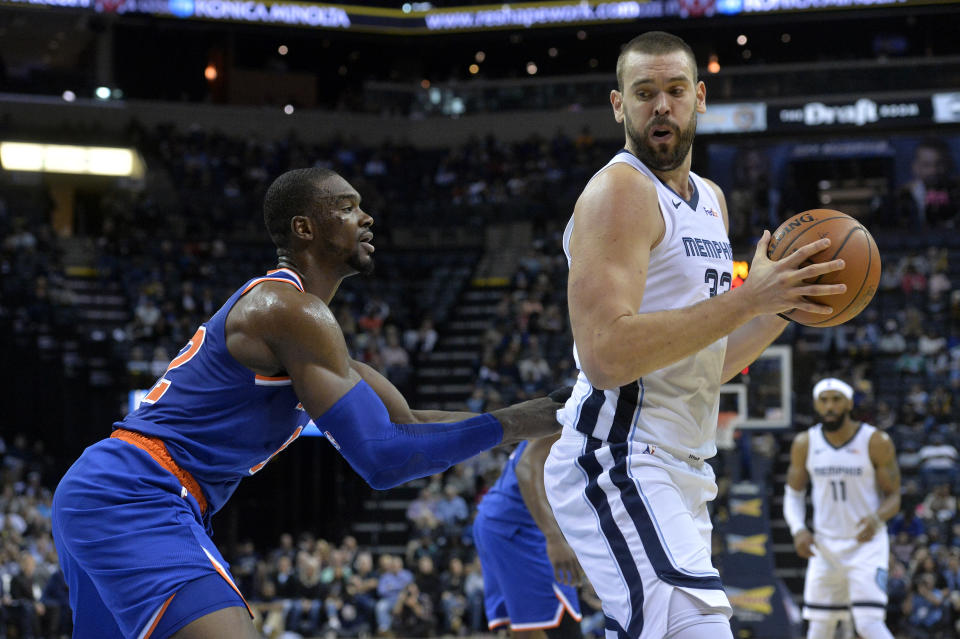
(360, 265)
(833, 425)
(662, 159)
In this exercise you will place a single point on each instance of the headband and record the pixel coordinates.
(833, 384)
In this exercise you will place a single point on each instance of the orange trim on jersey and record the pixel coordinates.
(275, 381)
(298, 284)
(155, 447)
(156, 392)
(223, 573)
(566, 606)
(156, 620)
(290, 272)
(290, 439)
(193, 346)
(496, 623)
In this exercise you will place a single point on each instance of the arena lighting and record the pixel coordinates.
(78, 160)
(714, 65)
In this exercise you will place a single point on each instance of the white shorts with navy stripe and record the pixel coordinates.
(844, 574)
(637, 518)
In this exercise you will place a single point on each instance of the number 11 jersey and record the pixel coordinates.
(844, 482)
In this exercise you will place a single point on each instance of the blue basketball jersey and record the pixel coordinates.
(503, 501)
(219, 420)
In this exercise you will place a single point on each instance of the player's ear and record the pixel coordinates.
(302, 227)
(616, 100)
(701, 97)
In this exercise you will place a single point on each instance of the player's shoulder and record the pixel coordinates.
(713, 187)
(801, 441)
(277, 306)
(879, 440)
(618, 176)
(616, 195)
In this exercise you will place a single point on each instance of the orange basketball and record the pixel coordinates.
(849, 241)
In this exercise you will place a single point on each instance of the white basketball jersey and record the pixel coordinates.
(675, 407)
(844, 482)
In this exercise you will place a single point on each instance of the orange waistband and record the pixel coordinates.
(158, 450)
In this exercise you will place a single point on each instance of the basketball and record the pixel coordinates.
(849, 241)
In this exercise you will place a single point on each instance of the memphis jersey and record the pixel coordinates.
(844, 482)
(503, 501)
(675, 407)
(219, 420)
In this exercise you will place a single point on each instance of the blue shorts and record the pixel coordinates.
(518, 583)
(133, 547)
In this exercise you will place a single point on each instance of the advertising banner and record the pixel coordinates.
(761, 605)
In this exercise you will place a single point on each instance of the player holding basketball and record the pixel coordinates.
(850, 464)
(131, 518)
(651, 311)
(530, 574)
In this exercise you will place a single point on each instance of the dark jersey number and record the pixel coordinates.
(839, 490)
(718, 282)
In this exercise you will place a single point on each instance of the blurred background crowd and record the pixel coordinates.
(467, 308)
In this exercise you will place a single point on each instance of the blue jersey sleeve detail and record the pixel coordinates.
(386, 454)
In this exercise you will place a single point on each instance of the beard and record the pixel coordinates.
(833, 425)
(362, 265)
(659, 157)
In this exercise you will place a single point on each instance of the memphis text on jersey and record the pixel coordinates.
(697, 247)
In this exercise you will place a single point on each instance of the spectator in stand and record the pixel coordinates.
(423, 339)
(362, 586)
(285, 578)
(395, 359)
(913, 283)
(938, 509)
(349, 547)
(428, 581)
(453, 598)
(951, 572)
(924, 608)
(473, 588)
(244, 566)
(305, 613)
(932, 197)
(891, 341)
(535, 371)
(452, 510)
(413, 613)
(23, 605)
(394, 578)
(938, 461)
(56, 601)
(421, 512)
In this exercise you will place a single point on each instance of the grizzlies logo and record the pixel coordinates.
(882, 579)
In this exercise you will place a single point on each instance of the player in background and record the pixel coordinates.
(856, 489)
(131, 517)
(657, 330)
(530, 573)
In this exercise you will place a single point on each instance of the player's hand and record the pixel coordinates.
(561, 395)
(868, 527)
(780, 286)
(803, 542)
(532, 419)
(566, 568)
